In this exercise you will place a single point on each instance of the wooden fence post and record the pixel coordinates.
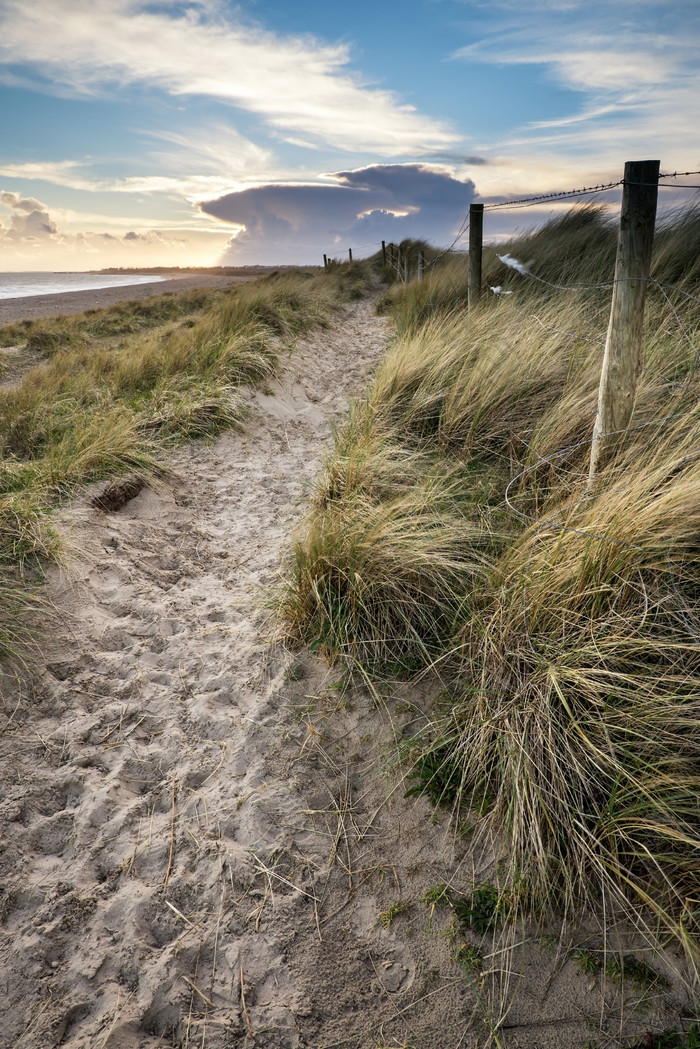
(349, 254)
(476, 238)
(621, 361)
(383, 253)
(421, 264)
(325, 262)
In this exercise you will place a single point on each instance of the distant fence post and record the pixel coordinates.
(349, 254)
(383, 253)
(476, 239)
(421, 264)
(621, 361)
(325, 262)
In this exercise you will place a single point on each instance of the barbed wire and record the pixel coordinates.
(601, 284)
(598, 341)
(445, 251)
(526, 201)
(567, 193)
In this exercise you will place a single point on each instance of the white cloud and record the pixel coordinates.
(30, 238)
(204, 162)
(296, 84)
(637, 78)
(30, 219)
(352, 209)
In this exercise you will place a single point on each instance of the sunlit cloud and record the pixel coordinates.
(32, 238)
(297, 84)
(354, 209)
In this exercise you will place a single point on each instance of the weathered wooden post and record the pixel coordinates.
(621, 361)
(421, 264)
(399, 262)
(476, 239)
(325, 262)
(349, 254)
(383, 253)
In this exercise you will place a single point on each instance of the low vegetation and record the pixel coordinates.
(452, 527)
(111, 389)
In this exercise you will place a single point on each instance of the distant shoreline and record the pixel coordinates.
(212, 271)
(34, 307)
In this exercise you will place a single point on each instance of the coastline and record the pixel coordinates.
(67, 303)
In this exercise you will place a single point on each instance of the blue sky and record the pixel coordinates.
(208, 132)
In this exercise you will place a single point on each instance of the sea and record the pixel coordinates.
(22, 285)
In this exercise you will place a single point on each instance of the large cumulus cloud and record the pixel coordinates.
(284, 223)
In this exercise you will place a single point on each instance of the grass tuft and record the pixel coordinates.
(453, 524)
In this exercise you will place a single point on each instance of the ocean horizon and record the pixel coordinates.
(22, 285)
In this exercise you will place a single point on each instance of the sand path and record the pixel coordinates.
(201, 845)
(178, 838)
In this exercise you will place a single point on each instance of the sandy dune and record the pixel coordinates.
(203, 843)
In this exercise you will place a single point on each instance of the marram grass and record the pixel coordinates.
(113, 388)
(568, 618)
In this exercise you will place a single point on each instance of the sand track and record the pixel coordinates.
(199, 838)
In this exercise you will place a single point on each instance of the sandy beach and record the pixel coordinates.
(33, 307)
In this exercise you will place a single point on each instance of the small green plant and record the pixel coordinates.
(435, 896)
(386, 917)
(437, 777)
(628, 967)
(482, 910)
(469, 957)
(588, 961)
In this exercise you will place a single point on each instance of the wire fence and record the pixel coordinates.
(516, 491)
(529, 202)
(555, 460)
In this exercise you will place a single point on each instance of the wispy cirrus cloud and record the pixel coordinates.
(298, 85)
(637, 78)
(192, 164)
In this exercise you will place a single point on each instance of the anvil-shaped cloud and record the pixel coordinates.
(283, 223)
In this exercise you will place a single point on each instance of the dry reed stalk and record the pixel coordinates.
(172, 836)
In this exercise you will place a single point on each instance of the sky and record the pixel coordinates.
(209, 132)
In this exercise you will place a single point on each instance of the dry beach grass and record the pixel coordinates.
(211, 839)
